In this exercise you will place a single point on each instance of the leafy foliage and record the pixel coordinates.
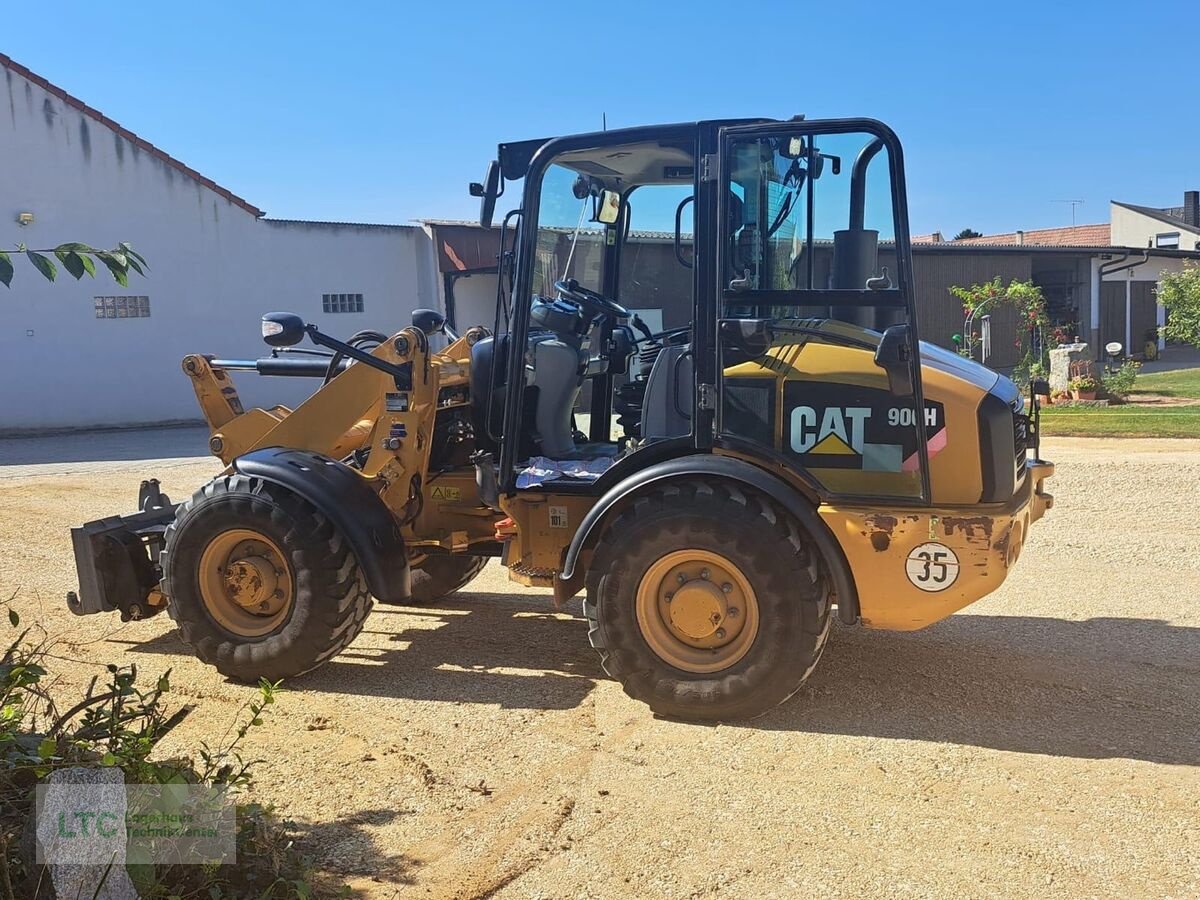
(1179, 292)
(121, 724)
(968, 233)
(1031, 306)
(1118, 384)
(79, 260)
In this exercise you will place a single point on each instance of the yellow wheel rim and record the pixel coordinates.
(697, 611)
(245, 582)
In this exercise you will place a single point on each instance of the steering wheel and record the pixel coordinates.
(597, 304)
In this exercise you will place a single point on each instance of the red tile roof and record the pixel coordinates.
(142, 143)
(1071, 236)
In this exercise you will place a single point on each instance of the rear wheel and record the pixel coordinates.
(260, 583)
(707, 602)
(437, 576)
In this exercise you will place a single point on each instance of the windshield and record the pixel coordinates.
(568, 245)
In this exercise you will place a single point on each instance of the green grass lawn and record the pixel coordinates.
(1129, 420)
(1181, 383)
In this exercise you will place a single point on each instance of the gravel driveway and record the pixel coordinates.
(1044, 743)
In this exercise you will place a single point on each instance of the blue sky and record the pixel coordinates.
(382, 112)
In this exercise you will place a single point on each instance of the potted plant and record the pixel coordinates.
(1084, 387)
(1150, 348)
(1059, 396)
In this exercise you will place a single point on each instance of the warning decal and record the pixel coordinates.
(840, 426)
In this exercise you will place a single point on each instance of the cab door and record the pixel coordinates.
(815, 342)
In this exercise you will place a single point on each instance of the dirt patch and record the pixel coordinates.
(1042, 744)
(1154, 400)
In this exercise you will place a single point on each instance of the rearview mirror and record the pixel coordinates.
(609, 208)
(282, 329)
(488, 191)
(429, 321)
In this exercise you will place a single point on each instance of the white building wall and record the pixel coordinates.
(214, 269)
(1131, 228)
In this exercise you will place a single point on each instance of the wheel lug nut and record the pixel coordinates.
(704, 574)
(733, 611)
(726, 588)
(669, 597)
(682, 578)
(720, 633)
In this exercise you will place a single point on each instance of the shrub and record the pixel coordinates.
(1118, 384)
(121, 725)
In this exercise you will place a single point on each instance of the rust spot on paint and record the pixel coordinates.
(972, 527)
(881, 523)
(880, 540)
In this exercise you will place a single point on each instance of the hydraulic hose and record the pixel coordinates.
(366, 336)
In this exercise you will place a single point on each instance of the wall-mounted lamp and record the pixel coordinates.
(25, 218)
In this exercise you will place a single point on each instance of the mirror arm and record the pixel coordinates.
(401, 375)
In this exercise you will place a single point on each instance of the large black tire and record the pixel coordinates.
(774, 555)
(441, 575)
(329, 602)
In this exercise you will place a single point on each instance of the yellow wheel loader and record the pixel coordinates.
(701, 400)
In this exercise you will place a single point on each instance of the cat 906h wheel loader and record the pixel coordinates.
(766, 438)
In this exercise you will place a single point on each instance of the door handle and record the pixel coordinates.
(739, 285)
(894, 356)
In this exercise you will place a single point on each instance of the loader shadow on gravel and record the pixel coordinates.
(487, 648)
(346, 848)
(1091, 689)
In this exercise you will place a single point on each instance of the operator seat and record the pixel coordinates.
(551, 389)
(489, 378)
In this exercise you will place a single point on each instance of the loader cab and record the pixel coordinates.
(735, 287)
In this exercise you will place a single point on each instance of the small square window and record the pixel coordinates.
(1168, 241)
(342, 303)
(137, 307)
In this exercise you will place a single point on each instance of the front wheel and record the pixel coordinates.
(707, 602)
(260, 584)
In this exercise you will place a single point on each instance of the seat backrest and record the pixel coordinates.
(666, 409)
(489, 376)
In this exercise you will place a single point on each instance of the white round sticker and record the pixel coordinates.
(932, 567)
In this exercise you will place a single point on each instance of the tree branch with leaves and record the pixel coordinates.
(1179, 292)
(78, 259)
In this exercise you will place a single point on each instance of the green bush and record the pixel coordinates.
(1118, 384)
(121, 724)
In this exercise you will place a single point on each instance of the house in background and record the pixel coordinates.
(1169, 228)
(1099, 278)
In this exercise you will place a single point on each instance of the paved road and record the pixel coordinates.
(101, 451)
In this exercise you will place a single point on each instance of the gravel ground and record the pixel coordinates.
(1044, 743)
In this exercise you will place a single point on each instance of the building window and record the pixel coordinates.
(1168, 241)
(122, 307)
(342, 303)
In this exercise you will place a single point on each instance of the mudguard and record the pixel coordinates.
(344, 497)
(747, 474)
